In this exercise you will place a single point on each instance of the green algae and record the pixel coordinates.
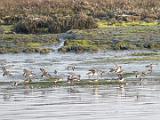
(79, 46)
(145, 54)
(104, 24)
(34, 44)
(27, 43)
(53, 82)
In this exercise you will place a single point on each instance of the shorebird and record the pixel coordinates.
(55, 72)
(73, 77)
(140, 75)
(71, 67)
(5, 72)
(149, 68)
(27, 73)
(118, 71)
(15, 83)
(28, 80)
(115, 69)
(120, 78)
(92, 72)
(44, 73)
(101, 73)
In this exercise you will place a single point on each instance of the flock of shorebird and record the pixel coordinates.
(92, 73)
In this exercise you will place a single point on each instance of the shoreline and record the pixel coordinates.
(86, 40)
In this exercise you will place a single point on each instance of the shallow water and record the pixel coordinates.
(56, 61)
(134, 101)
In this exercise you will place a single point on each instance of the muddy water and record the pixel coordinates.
(134, 101)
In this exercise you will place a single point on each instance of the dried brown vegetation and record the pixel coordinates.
(68, 12)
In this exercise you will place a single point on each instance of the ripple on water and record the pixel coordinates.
(136, 100)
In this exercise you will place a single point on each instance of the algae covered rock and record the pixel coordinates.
(37, 50)
(121, 45)
(79, 46)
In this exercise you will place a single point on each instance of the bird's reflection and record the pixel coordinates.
(27, 89)
(6, 96)
(137, 98)
(44, 92)
(72, 90)
(121, 90)
(95, 90)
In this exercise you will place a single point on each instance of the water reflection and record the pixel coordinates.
(89, 102)
(27, 90)
(72, 90)
(121, 90)
(6, 95)
(96, 90)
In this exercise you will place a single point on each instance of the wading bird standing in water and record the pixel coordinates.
(71, 67)
(118, 71)
(55, 72)
(115, 69)
(28, 74)
(140, 75)
(149, 68)
(101, 73)
(120, 78)
(92, 73)
(6, 72)
(45, 73)
(28, 80)
(73, 77)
